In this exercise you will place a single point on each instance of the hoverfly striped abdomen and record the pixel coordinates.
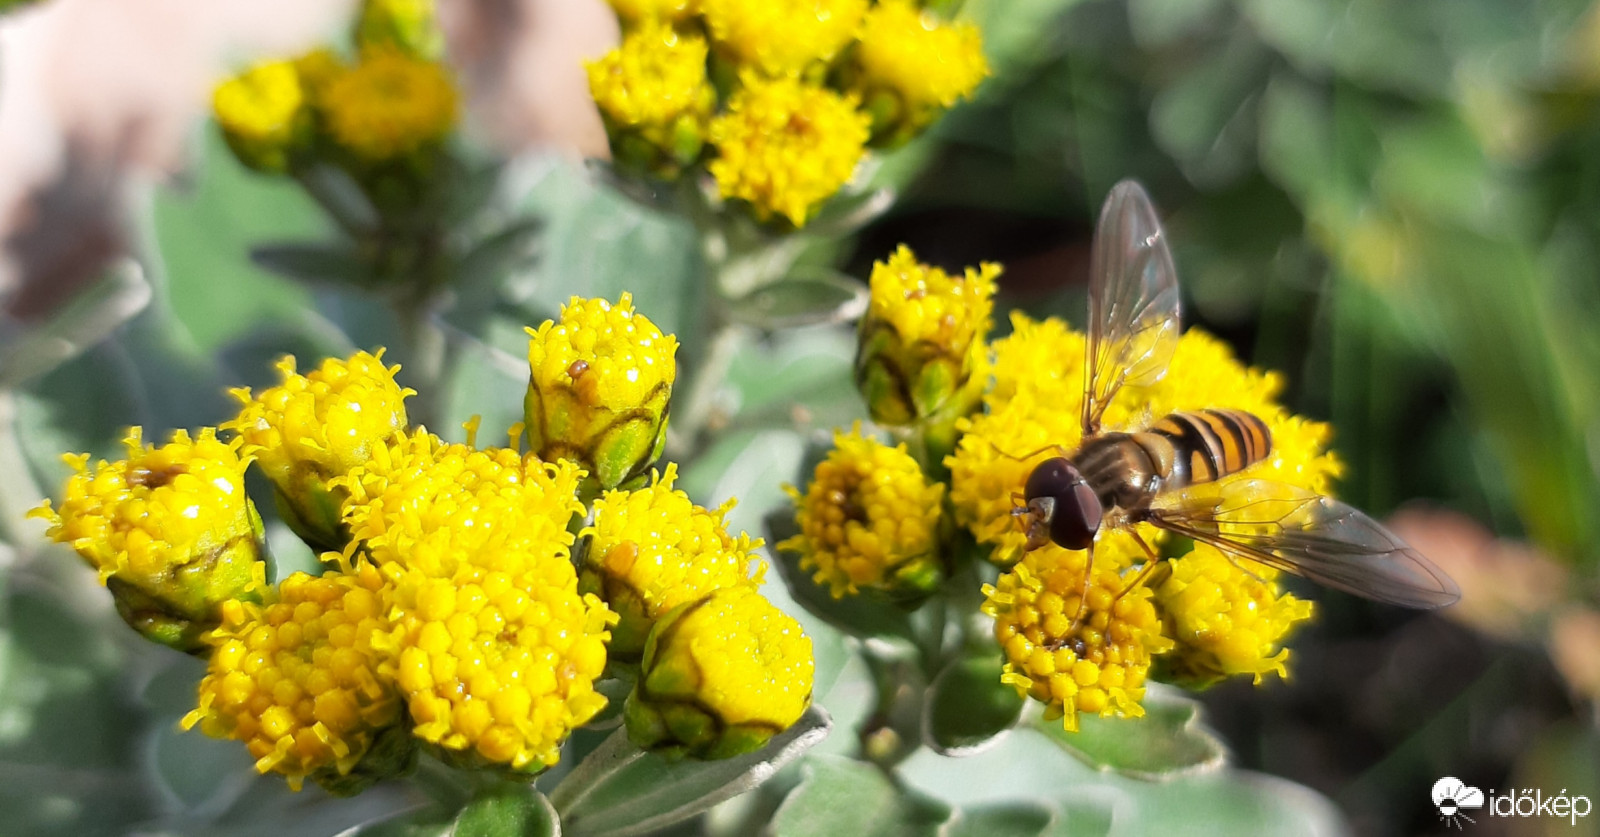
(1212, 444)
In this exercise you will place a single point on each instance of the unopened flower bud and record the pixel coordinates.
(910, 67)
(655, 99)
(600, 383)
(264, 115)
(313, 428)
(721, 676)
(407, 25)
(170, 530)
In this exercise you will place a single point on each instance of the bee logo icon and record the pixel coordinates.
(1453, 797)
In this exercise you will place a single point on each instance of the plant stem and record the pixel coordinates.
(689, 422)
(18, 492)
(427, 357)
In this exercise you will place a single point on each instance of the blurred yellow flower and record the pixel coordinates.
(296, 678)
(599, 385)
(390, 104)
(869, 519)
(407, 25)
(785, 146)
(926, 64)
(652, 549)
(782, 37)
(639, 11)
(1097, 665)
(170, 530)
(721, 676)
(314, 427)
(263, 114)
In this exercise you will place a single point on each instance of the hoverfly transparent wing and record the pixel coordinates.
(1315, 537)
(1133, 301)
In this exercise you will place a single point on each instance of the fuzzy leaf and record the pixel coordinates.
(313, 262)
(82, 322)
(508, 811)
(649, 793)
(1169, 741)
(860, 615)
(843, 796)
(808, 298)
(1012, 819)
(968, 708)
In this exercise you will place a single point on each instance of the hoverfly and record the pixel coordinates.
(1117, 479)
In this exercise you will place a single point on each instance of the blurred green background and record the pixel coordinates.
(1396, 203)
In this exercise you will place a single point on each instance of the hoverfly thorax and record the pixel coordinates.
(1060, 506)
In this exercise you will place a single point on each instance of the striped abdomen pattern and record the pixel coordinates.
(1211, 444)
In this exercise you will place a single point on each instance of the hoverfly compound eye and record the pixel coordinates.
(1051, 478)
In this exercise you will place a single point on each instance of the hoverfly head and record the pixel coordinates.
(1061, 507)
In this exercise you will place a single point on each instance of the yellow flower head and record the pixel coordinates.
(600, 382)
(922, 347)
(1034, 405)
(786, 146)
(925, 63)
(640, 11)
(263, 114)
(169, 529)
(316, 70)
(407, 25)
(296, 678)
(1097, 665)
(782, 37)
(389, 105)
(721, 676)
(1225, 620)
(652, 549)
(656, 76)
(869, 519)
(314, 427)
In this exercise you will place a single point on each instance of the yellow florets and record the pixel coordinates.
(653, 549)
(925, 304)
(781, 37)
(638, 11)
(390, 104)
(655, 77)
(928, 63)
(600, 382)
(869, 519)
(171, 522)
(786, 146)
(296, 678)
(1225, 620)
(721, 677)
(1097, 664)
(262, 113)
(326, 421)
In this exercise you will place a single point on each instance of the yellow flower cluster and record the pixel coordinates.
(652, 549)
(601, 379)
(922, 350)
(296, 677)
(312, 428)
(791, 76)
(869, 519)
(1074, 652)
(169, 529)
(393, 102)
(1225, 622)
(452, 616)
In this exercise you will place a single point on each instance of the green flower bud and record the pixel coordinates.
(654, 96)
(720, 677)
(407, 25)
(265, 115)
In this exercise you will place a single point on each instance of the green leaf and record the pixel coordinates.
(317, 263)
(82, 322)
(508, 810)
(1169, 741)
(861, 615)
(808, 297)
(968, 708)
(844, 796)
(1012, 819)
(646, 792)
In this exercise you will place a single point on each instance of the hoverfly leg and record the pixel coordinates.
(1154, 572)
(1030, 454)
(1240, 567)
(1083, 590)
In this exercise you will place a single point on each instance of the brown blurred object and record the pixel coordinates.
(521, 62)
(1575, 650)
(1508, 588)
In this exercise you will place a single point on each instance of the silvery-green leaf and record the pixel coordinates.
(845, 796)
(1010, 819)
(968, 708)
(508, 810)
(808, 297)
(1169, 741)
(637, 793)
(31, 350)
(314, 262)
(860, 615)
